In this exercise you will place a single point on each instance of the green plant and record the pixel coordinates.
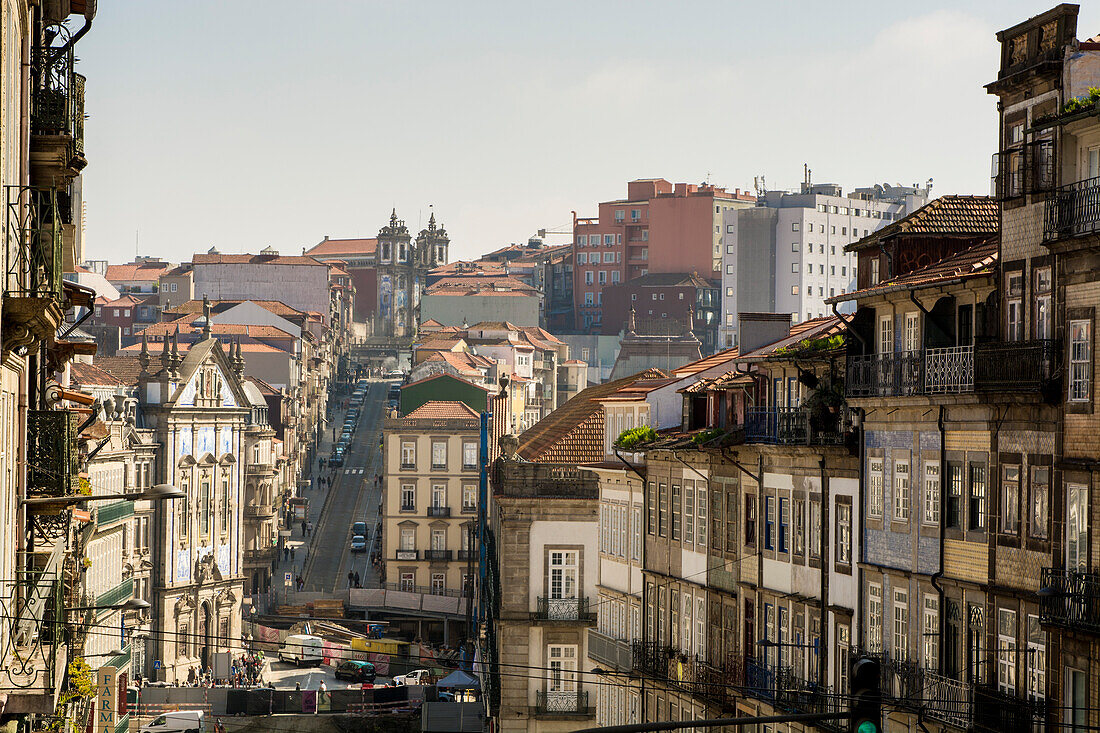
(825, 343)
(707, 435)
(824, 402)
(83, 486)
(79, 685)
(1073, 106)
(635, 436)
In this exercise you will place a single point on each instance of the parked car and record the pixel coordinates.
(358, 543)
(395, 374)
(416, 677)
(303, 649)
(359, 528)
(355, 671)
(338, 459)
(185, 721)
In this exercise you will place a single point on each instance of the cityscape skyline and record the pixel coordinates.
(482, 108)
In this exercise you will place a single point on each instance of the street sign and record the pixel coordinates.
(156, 664)
(287, 579)
(106, 695)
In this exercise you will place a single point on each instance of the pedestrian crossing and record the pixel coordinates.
(354, 470)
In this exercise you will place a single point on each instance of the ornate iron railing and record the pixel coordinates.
(650, 658)
(1073, 210)
(562, 702)
(1070, 599)
(1015, 365)
(898, 373)
(996, 711)
(52, 455)
(949, 370)
(564, 609)
(33, 611)
(792, 426)
(437, 554)
(32, 233)
(439, 511)
(53, 99)
(947, 700)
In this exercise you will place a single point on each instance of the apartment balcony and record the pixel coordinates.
(52, 454)
(465, 555)
(996, 711)
(1011, 366)
(259, 469)
(33, 293)
(572, 702)
(119, 594)
(1070, 599)
(792, 426)
(437, 555)
(564, 609)
(650, 658)
(407, 555)
(1024, 169)
(610, 652)
(439, 511)
(1073, 211)
(33, 659)
(57, 113)
(263, 555)
(115, 512)
(259, 511)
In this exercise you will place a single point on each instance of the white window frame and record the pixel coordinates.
(901, 624)
(901, 490)
(886, 334)
(930, 654)
(931, 492)
(561, 660)
(563, 574)
(874, 617)
(1006, 650)
(1080, 360)
(408, 453)
(875, 487)
(912, 331)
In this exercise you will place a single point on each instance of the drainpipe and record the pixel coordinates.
(823, 640)
(861, 514)
(943, 519)
(89, 15)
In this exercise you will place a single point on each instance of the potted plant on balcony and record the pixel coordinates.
(824, 403)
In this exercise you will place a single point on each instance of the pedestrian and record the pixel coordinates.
(351, 578)
(286, 553)
(191, 676)
(297, 685)
(357, 579)
(292, 553)
(309, 528)
(303, 528)
(301, 583)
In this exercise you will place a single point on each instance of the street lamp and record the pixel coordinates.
(158, 492)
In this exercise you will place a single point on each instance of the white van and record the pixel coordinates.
(184, 721)
(303, 649)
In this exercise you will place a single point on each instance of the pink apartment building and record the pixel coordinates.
(659, 227)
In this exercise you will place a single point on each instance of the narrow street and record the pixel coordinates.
(352, 497)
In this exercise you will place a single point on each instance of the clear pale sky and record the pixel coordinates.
(242, 124)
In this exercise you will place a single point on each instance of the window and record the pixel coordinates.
(636, 533)
(589, 299)
(1077, 524)
(1077, 702)
(1006, 650)
(620, 214)
(675, 512)
(875, 498)
(843, 643)
(815, 529)
(439, 495)
(408, 454)
(874, 618)
(794, 290)
(1080, 360)
(408, 581)
(408, 538)
(794, 226)
(1040, 493)
(439, 454)
(469, 454)
(794, 267)
(976, 513)
(832, 230)
(769, 522)
(843, 551)
(582, 258)
(912, 331)
(1036, 660)
(886, 335)
(1014, 306)
(563, 574)
(901, 491)
(608, 240)
(689, 512)
(562, 661)
(635, 214)
(408, 497)
(874, 269)
(701, 513)
(956, 477)
(204, 507)
(931, 633)
(662, 510)
(651, 508)
(1042, 303)
(1010, 500)
(901, 624)
(469, 497)
(799, 525)
(172, 287)
(730, 270)
(439, 584)
(608, 256)
(439, 540)
(931, 492)
(794, 246)
(784, 518)
(615, 275)
(225, 505)
(589, 277)
(750, 520)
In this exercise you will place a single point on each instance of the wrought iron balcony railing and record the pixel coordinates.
(406, 554)
(1023, 169)
(52, 455)
(1070, 599)
(562, 702)
(32, 646)
(898, 373)
(792, 426)
(32, 233)
(650, 658)
(564, 609)
(1073, 210)
(266, 554)
(1015, 365)
(947, 700)
(439, 511)
(996, 711)
(437, 554)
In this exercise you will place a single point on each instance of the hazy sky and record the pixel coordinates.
(213, 123)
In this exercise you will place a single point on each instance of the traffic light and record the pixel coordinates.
(866, 679)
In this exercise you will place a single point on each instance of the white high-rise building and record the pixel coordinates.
(786, 254)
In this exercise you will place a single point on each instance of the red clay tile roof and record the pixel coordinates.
(976, 261)
(574, 362)
(573, 433)
(123, 368)
(264, 387)
(442, 409)
(277, 307)
(84, 373)
(945, 216)
(184, 346)
(465, 363)
(330, 247)
(441, 376)
(217, 329)
(638, 390)
(431, 322)
(809, 329)
(705, 363)
(251, 259)
(134, 273)
(123, 301)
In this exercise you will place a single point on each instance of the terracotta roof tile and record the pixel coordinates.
(84, 373)
(124, 368)
(442, 409)
(251, 259)
(331, 247)
(573, 433)
(134, 273)
(277, 307)
(705, 363)
(947, 215)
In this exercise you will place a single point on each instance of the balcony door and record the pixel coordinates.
(439, 540)
(561, 687)
(562, 592)
(439, 496)
(1093, 162)
(1077, 504)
